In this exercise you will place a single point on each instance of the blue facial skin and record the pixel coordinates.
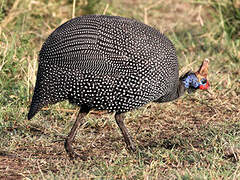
(191, 81)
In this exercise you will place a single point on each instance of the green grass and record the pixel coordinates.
(194, 137)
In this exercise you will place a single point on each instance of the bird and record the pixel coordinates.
(112, 63)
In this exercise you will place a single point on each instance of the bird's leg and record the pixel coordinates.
(128, 140)
(68, 142)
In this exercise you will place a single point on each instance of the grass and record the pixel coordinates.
(194, 137)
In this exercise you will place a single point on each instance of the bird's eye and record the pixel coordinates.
(203, 81)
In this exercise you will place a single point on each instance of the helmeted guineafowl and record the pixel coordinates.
(109, 63)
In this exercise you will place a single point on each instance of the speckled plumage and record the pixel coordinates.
(105, 63)
(109, 63)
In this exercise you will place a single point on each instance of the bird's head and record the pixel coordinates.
(198, 80)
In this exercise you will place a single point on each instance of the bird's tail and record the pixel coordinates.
(36, 105)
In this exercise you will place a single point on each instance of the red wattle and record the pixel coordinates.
(204, 87)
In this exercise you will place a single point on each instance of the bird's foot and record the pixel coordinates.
(71, 153)
(131, 147)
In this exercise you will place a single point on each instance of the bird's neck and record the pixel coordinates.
(176, 93)
(188, 82)
(181, 89)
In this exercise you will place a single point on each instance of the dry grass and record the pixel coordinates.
(194, 137)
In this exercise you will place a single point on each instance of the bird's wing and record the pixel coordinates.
(101, 65)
